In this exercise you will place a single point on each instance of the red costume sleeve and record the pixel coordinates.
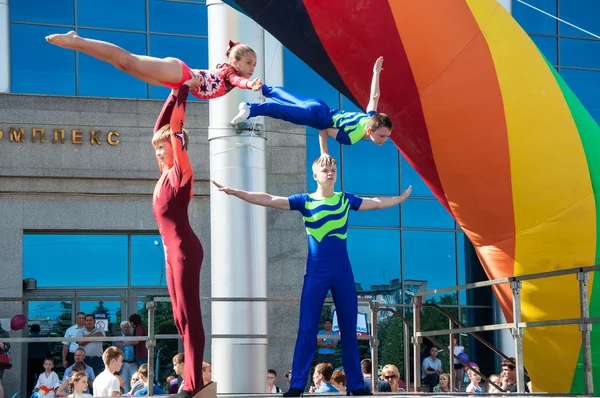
(173, 113)
(236, 80)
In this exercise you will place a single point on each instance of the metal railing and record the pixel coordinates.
(517, 326)
(375, 308)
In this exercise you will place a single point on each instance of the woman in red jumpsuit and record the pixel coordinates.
(183, 250)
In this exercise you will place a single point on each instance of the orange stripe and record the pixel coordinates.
(464, 113)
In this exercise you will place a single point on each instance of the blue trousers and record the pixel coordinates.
(319, 279)
(292, 108)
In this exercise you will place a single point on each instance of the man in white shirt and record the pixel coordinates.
(93, 349)
(432, 369)
(106, 383)
(68, 350)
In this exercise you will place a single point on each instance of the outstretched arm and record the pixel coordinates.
(238, 81)
(374, 100)
(385, 202)
(256, 198)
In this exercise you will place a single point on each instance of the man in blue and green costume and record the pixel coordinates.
(325, 215)
(345, 127)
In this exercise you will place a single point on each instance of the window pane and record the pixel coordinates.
(547, 46)
(311, 84)
(411, 177)
(147, 261)
(75, 260)
(192, 51)
(50, 71)
(425, 213)
(55, 11)
(375, 257)
(100, 79)
(462, 267)
(54, 318)
(371, 169)
(429, 257)
(389, 217)
(582, 13)
(131, 14)
(534, 21)
(107, 314)
(585, 85)
(580, 53)
(313, 152)
(194, 19)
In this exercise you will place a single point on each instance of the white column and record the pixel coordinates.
(503, 338)
(273, 61)
(4, 47)
(238, 229)
(506, 4)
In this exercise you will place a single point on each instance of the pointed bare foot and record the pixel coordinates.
(64, 40)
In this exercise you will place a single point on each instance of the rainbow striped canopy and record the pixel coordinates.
(493, 130)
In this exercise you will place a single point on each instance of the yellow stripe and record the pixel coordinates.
(552, 194)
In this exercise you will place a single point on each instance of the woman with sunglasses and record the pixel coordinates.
(391, 374)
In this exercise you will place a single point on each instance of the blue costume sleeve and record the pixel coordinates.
(355, 201)
(297, 201)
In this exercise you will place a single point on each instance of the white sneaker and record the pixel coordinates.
(243, 114)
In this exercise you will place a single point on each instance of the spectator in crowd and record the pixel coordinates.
(322, 379)
(458, 367)
(129, 362)
(431, 369)
(510, 372)
(139, 330)
(68, 349)
(93, 349)
(206, 372)
(36, 354)
(4, 348)
(143, 373)
(271, 379)
(172, 382)
(338, 380)
(367, 372)
(179, 368)
(391, 375)
(444, 384)
(65, 389)
(79, 385)
(136, 384)
(473, 386)
(80, 358)
(326, 345)
(47, 382)
(107, 384)
(496, 380)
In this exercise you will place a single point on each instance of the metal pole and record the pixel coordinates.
(406, 354)
(586, 329)
(150, 344)
(417, 341)
(238, 229)
(374, 343)
(518, 335)
(451, 355)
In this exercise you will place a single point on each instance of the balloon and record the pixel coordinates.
(463, 357)
(18, 322)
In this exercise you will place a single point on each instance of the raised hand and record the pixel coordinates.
(406, 193)
(222, 188)
(256, 84)
(378, 65)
